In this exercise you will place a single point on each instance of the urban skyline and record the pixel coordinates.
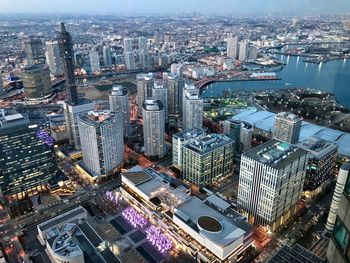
(195, 134)
(293, 7)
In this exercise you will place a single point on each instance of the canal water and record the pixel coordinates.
(332, 76)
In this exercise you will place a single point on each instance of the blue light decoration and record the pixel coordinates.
(45, 137)
(158, 239)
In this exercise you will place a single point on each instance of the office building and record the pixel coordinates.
(183, 138)
(53, 58)
(206, 159)
(232, 47)
(119, 102)
(243, 50)
(27, 159)
(175, 86)
(321, 165)
(144, 83)
(37, 82)
(35, 51)
(71, 113)
(193, 112)
(271, 183)
(107, 56)
(287, 127)
(339, 244)
(67, 55)
(102, 145)
(241, 132)
(342, 178)
(94, 61)
(160, 92)
(154, 128)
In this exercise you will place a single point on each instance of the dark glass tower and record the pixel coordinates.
(67, 55)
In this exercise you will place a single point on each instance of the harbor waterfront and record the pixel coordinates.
(332, 77)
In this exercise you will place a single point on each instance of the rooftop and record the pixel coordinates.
(265, 121)
(275, 153)
(317, 146)
(194, 211)
(189, 134)
(295, 254)
(288, 116)
(96, 118)
(119, 91)
(61, 218)
(153, 105)
(208, 143)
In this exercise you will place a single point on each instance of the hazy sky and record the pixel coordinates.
(175, 6)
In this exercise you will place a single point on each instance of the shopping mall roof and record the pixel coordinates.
(265, 120)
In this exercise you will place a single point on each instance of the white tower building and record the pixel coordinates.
(101, 135)
(119, 102)
(154, 128)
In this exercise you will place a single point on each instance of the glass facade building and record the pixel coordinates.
(27, 161)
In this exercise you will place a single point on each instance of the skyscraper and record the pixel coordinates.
(339, 244)
(144, 84)
(53, 58)
(67, 55)
(36, 82)
(271, 182)
(27, 159)
(129, 54)
(241, 132)
(252, 53)
(287, 127)
(73, 106)
(107, 56)
(71, 113)
(188, 90)
(143, 51)
(94, 61)
(175, 87)
(128, 44)
(160, 92)
(342, 179)
(34, 51)
(207, 158)
(129, 60)
(193, 108)
(102, 146)
(243, 50)
(119, 101)
(154, 128)
(232, 47)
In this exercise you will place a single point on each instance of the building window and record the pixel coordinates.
(341, 235)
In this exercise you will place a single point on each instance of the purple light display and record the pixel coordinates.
(45, 137)
(112, 197)
(158, 239)
(134, 218)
